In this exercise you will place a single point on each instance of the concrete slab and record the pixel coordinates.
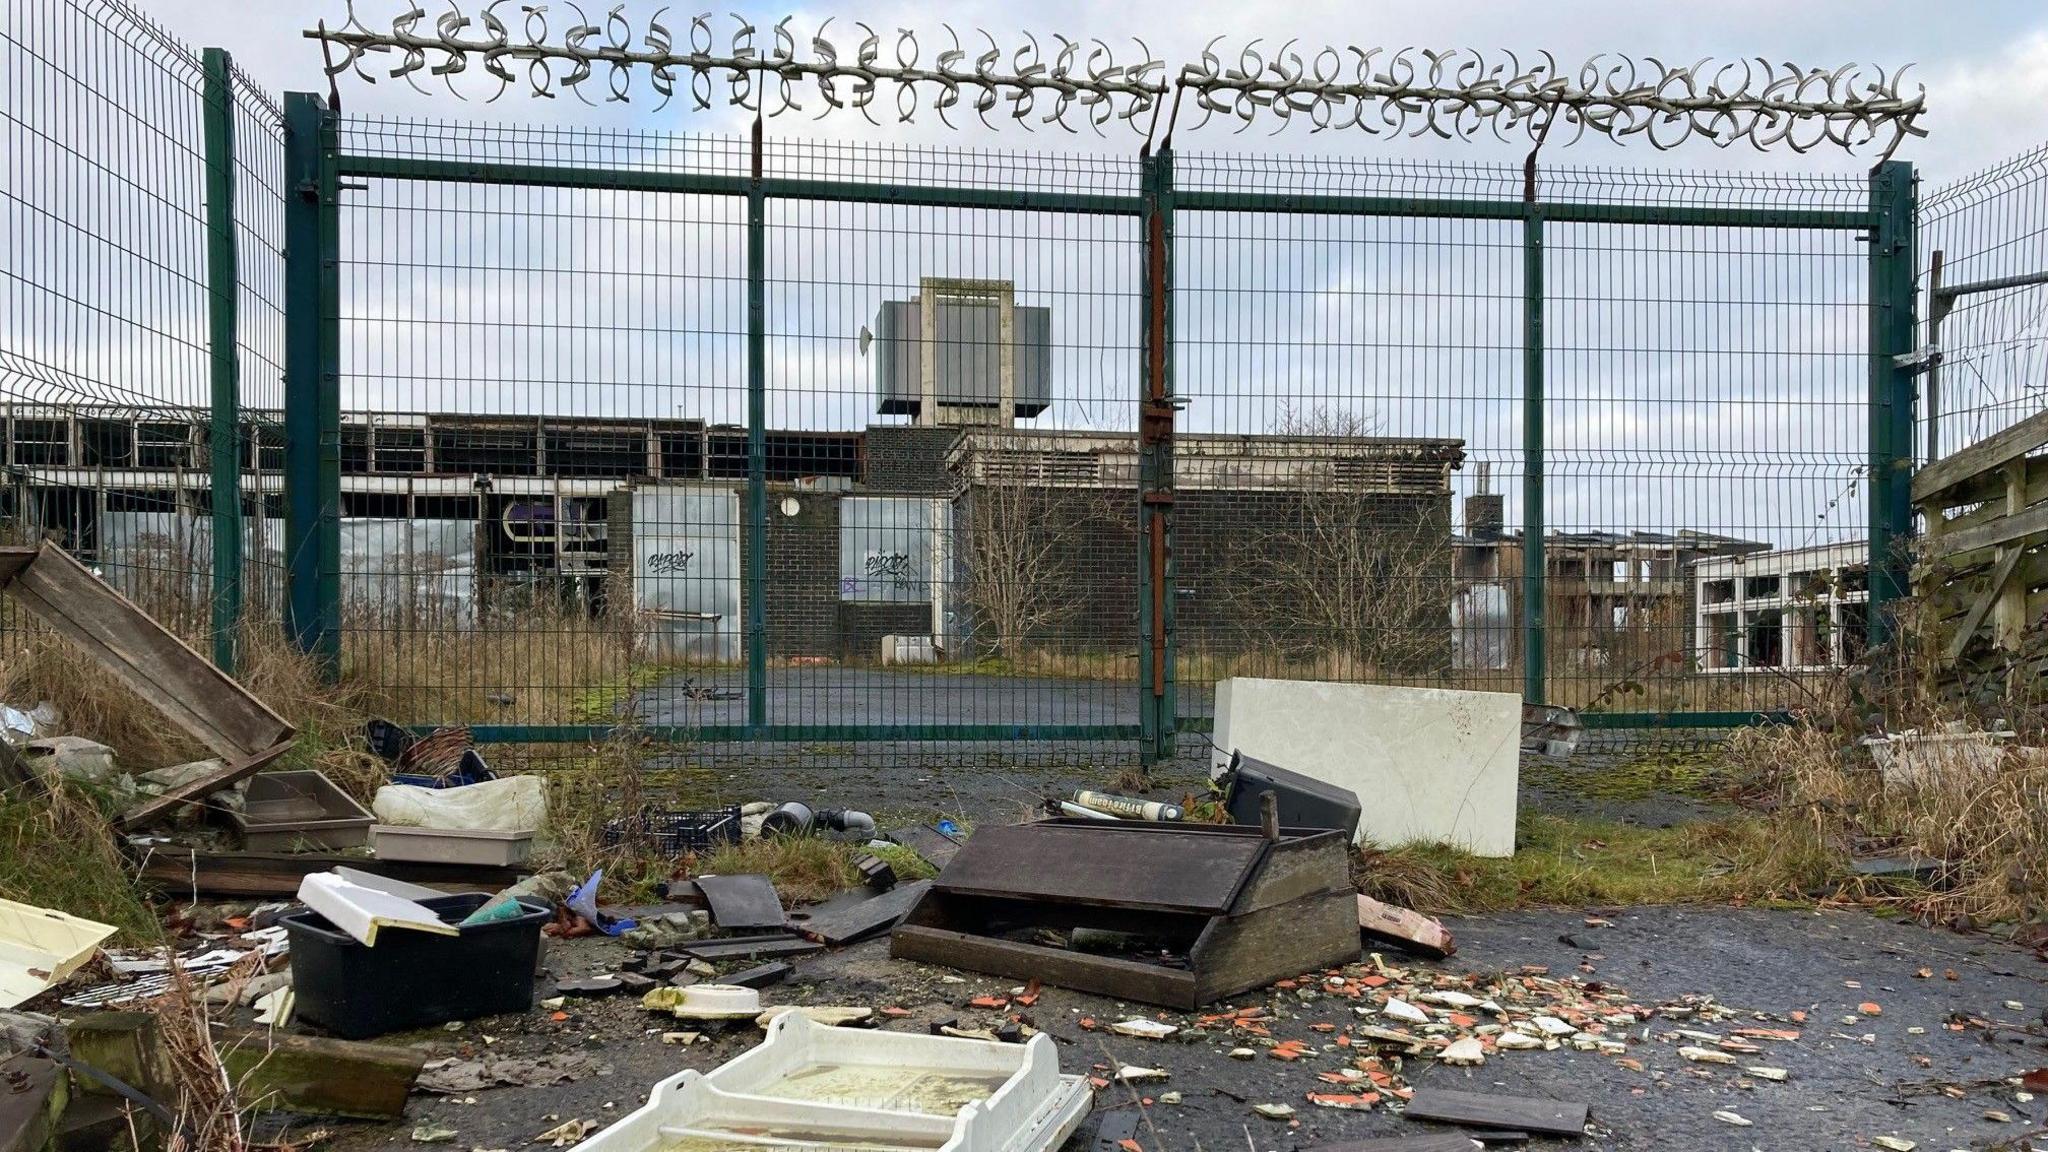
(1428, 764)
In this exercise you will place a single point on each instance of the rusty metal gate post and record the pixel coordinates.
(1156, 708)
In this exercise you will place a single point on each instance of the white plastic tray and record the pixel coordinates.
(826, 1089)
(40, 947)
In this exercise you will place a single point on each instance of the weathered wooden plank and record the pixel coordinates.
(198, 790)
(1296, 868)
(1238, 953)
(1485, 1110)
(1180, 870)
(1992, 591)
(13, 559)
(181, 870)
(1993, 451)
(191, 693)
(2003, 530)
(280, 1072)
(742, 903)
(855, 916)
(1103, 975)
(2009, 613)
(1991, 486)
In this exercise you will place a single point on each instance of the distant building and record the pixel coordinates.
(1611, 598)
(870, 532)
(1797, 609)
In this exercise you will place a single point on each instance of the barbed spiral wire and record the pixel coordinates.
(1450, 93)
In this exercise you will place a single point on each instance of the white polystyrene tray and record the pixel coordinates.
(801, 1087)
(40, 947)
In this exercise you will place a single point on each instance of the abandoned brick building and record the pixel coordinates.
(944, 520)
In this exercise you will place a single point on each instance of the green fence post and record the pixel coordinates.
(1535, 652)
(223, 292)
(1157, 721)
(1892, 306)
(757, 447)
(312, 415)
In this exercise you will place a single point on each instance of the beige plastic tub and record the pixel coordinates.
(450, 845)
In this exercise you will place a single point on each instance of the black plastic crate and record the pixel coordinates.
(414, 979)
(674, 833)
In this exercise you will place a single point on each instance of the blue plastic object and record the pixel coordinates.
(583, 902)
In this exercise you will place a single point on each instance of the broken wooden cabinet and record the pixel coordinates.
(1221, 908)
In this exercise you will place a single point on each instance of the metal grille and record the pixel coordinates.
(116, 225)
(780, 449)
(1984, 241)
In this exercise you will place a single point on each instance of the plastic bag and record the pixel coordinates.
(510, 804)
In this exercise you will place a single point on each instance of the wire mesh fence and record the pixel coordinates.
(109, 376)
(940, 391)
(780, 448)
(1984, 244)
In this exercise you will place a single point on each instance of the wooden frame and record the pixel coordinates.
(1984, 563)
(1245, 910)
(201, 700)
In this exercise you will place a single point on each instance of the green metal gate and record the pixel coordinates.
(784, 227)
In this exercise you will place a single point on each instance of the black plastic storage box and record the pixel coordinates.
(413, 979)
(676, 833)
(1303, 801)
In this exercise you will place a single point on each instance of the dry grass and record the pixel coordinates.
(804, 869)
(208, 1110)
(58, 851)
(1987, 826)
(535, 669)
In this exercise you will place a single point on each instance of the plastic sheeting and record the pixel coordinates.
(887, 546)
(686, 570)
(509, 804)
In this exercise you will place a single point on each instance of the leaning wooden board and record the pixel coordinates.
(177, 681)
(1116, 866)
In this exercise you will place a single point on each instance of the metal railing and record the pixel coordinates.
(1260, 381)
(139, 304)
(778, 446)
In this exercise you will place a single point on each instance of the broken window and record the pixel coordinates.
(1853, 635)
(400, 449)
(355, 449)
(42, 442)
(163, 445)
(1808, 642)
(1766, 640)
(1761, 587)
(1721, 640)
(1717, 591)
(106, 442)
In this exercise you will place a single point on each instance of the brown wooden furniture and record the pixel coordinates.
(1239, 911)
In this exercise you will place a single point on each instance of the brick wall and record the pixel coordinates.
(803, 574)
(861, 627)
(909, 460)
